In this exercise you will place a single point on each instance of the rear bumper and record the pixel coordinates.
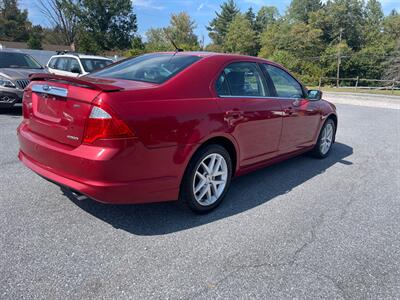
(97, 172)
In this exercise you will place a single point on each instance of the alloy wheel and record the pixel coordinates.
(210, 179)
(326, 138)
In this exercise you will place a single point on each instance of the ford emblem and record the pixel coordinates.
(46, 87)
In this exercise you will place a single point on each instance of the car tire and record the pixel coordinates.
(206, 179)
(325, 140)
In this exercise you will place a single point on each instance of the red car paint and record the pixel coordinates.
(168, 122)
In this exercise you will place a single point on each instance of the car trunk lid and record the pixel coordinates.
(59, 106)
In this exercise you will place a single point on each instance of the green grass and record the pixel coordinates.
(361, 91)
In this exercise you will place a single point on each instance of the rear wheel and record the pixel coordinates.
(206, 179)
(325, 140)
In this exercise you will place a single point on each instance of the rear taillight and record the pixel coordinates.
(27, 103)
(103, 124)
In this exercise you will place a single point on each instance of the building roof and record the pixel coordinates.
(23, 45)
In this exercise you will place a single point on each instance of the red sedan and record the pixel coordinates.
(169, 126)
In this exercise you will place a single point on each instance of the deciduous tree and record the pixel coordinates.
(181, 31)
(241, 38)
(60, 13)
(105, 24)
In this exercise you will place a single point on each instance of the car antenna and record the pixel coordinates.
(172, 41)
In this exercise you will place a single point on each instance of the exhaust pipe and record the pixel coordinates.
(78, 196)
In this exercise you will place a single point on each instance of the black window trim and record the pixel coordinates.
(261, 73)
(79, 64)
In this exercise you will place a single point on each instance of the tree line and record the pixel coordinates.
(312, 38)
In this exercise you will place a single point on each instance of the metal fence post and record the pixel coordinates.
(320, 83)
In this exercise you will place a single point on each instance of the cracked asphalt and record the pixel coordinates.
(304, 228)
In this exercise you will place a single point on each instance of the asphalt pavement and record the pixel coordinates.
(304, 228)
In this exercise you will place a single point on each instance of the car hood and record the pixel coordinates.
(15, 73)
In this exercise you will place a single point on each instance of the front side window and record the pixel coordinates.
(242, 79)
(154, 68)
(285, 85)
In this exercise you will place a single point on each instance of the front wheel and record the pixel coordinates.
(206, 179)
(325, 140)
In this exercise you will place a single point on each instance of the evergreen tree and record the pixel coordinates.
(14, 24)
(346, 16)
(218, 27)
(267, 15)
(35, 38)
(299, 10)
(251, 17)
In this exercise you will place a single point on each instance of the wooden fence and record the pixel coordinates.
(360, 83)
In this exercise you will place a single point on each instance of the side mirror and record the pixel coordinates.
(314, 95)
(76, 70)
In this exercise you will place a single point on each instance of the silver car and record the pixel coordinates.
(15, 68)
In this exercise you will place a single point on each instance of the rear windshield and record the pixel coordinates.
(154, 68)
(90, 64)
(18, 60)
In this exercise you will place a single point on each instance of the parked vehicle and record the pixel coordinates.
(170, 126)
(74, 65)
(15, 68)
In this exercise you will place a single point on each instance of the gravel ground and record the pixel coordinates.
(369, 100)
(304, 228)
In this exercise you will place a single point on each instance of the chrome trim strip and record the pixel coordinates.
(49, 89)
(263, 97)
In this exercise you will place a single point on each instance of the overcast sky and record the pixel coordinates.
(156, 13)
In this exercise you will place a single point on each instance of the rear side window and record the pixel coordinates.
(222, 86)
(73, 65)
(91, 65)
(285, 85)
(241, 79)
(61, 64)
(154, 68)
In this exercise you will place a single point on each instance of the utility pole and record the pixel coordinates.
(339, 58)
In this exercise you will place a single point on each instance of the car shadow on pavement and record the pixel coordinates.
(12, 111)
(246, 192)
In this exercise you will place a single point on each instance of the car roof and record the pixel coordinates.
(84, 56)
(228, 56)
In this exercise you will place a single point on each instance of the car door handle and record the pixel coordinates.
(234, 114)
(288, 111)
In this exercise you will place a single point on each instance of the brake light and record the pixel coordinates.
(26, 103)
(103, 124)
